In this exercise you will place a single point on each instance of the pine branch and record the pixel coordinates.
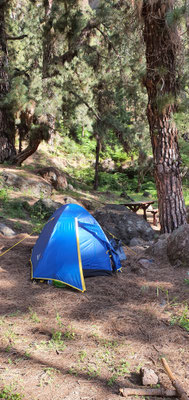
(86, 104)
(70, 54)
(108, 40)
(16, 37)
(18, 72)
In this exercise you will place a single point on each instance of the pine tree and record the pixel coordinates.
(7, 127)
(26, 66)
(162, 83)
(101, 80)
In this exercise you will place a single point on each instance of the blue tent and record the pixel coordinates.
(71, 246)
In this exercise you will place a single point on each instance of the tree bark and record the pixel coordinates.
(27, 152)
(162, 46)
(7, 127)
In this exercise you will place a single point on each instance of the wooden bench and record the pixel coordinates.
(153, 211)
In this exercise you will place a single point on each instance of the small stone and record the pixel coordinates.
(69, 200)
(6, 231)
(148, 376)
(70, 187)
(145, 263)
(136, 242)
(146, 194)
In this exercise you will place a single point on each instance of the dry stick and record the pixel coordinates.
(179, 389)
(148, 392)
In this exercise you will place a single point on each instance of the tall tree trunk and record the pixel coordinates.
(98, 147)
(48, 55)
(7, 127)
(162, 45)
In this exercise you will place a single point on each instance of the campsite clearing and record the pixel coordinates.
(57, 343)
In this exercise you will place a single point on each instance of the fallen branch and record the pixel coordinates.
(179, 389)
(160, 392)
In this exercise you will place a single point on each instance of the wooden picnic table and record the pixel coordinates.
(137, 205)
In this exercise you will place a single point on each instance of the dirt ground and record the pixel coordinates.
(61, 344)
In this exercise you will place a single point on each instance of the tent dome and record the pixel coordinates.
(71, 246)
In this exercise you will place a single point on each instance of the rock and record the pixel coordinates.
(30, 184)
(94, 4)
(145, 263)
(70, 187)
(178, 247)
(6, 231)
(136, 242)
(108, 165)
(146, 194)
(126, 197)
(68, 200)
(88, 204)
(148, 376)
(159, 248)
(116, 207)
(54, 177)
(123, 223)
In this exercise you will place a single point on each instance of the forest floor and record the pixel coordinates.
(61, 344)
(57, 343)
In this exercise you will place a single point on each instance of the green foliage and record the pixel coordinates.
(182, 320)
(39, 213)
(56, 341)
(114, 182)
(184, 149)
(13, 208)
(4, 195)
(8, 393)
(81, 143)
(175, 16)
(112, 380)
(82, 355)
(39, 132)
(33, 316)
(163, 102)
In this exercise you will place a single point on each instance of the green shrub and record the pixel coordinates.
(109, 181)
(15, 208)
(3, 194)
(8, 394)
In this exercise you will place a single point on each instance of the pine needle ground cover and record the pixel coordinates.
(56, 342)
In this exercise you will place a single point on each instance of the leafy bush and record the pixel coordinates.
(3, 194)
(84, 176)
(8, 394)
(115, 181)
(15, 208)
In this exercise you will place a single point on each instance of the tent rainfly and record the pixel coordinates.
(71, 246)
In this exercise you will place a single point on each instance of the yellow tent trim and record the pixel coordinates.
(79, 256)
(50, 279)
